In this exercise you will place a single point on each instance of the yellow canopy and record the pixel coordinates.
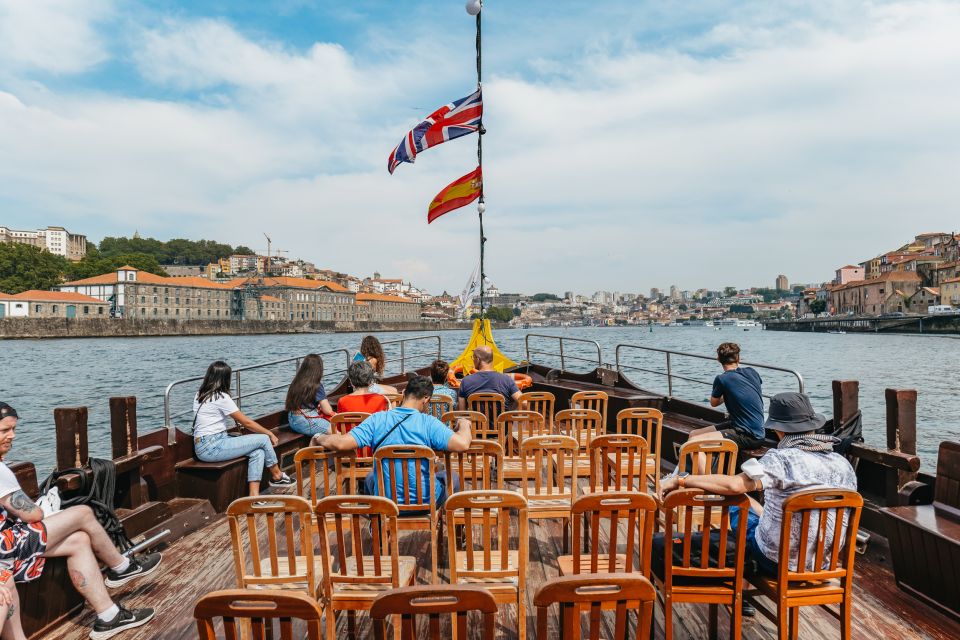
(482, 335)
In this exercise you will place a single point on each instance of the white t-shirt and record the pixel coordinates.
(213, 415)
(8, 481)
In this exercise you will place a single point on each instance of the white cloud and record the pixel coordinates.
(56, 36)
(809, 143)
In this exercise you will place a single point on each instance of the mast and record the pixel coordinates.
(480, 205)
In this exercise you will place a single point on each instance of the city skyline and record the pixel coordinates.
(762, 140)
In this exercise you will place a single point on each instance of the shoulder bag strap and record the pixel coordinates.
(392, 429)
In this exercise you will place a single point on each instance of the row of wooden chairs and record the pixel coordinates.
(572, 595)
(350, 574)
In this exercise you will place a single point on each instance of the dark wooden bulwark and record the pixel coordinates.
(925, 539)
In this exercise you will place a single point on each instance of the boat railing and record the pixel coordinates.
(399, 350)
(239, 393)
(670, 358)
(563, 351)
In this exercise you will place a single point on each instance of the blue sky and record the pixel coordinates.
(631, 144)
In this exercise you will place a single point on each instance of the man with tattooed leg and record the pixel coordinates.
(27, 539)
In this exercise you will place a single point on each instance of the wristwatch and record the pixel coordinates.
(680, 479)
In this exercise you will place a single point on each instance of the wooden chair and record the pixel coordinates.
(617, 463)
(440, 405)
(476, 467)
(417, 505)
(593, 400)
(713, 580)
(395, 399)
(635, 511)
(352, 577)
(647, 423)
(342, 423)
(592, 593)
(828, 549)
(487, 560)
(318, 470)
(259, 609)
(541, 402)
(481, 428)
(513, 428)
(708, 456)
(433, 602)
(583, 425)
(489, 404)
(550, 478)
(284, 561)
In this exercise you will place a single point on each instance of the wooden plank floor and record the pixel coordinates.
(203, 562)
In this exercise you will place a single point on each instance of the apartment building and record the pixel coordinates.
(56, 240)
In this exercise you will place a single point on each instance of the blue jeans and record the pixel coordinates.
(220, 447)
(307, 425)
(753, 552)
(370, 488)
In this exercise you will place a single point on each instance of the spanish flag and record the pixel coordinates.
(458, 193)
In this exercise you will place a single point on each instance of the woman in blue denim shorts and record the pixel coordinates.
(212, 409)
(307, 406)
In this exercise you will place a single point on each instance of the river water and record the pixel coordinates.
(39, 375)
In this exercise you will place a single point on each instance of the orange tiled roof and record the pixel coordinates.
(288, 281)
(270, 299)
(56, 296)
(144, 277)
(951, 280)
(382, 298)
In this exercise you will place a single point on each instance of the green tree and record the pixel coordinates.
(175, 251)
(543, 297)
(497, 314)
(729, 292)
(24, 267)
(818, 306)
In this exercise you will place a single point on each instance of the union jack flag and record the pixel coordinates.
(456, 119)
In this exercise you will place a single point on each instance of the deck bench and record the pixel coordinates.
(925, 538)
(223, 482)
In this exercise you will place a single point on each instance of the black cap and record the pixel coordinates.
(793, 413)
(6, 411)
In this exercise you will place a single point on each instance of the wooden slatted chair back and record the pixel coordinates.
(581, 424)
(549, 468)
(489, 404)
(318, 470)
(342, 518)
(829, 519)
(648, 423)
(440, 405)
(476, 467)
(342, 423)
(260, 610)
(681, 509)
(709, 456)
(396, 399)
(607, 516)
(542, 402)
(480, 427)
(593, 400)
(277, 533)
(591, 594)
(486, 552)
(399, 471)
(515, 427)
(432, 602)
(618, 462)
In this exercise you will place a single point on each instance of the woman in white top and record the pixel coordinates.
(212, 408)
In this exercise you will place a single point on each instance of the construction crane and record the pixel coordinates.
(269, 241)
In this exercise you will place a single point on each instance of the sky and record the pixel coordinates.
(630, 144)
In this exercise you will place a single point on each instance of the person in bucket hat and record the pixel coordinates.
(802, 460)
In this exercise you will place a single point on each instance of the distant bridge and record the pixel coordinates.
(938, 324)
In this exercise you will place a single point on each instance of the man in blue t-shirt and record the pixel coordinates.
(485, 378)
(405, 425)
(741, 390)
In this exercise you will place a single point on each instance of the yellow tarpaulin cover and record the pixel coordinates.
(482, 335)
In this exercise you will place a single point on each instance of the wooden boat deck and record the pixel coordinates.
(203, 562)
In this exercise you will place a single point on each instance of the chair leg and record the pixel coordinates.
(521, 615)
(331, 623)
(845, 611)
(351, 624)
(667, 617)
(435, 537)
(397, 627)
(566, 535)
(783, 621)
(736, 618)
(794, 622)
(713, 621)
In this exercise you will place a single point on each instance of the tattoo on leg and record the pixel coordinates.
(12, 610)
(77, 578)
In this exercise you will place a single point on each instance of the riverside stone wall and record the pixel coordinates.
(25, 328)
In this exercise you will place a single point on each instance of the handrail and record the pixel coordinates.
(403, 349)
(561, 354)
(671, 376)
(239, 396)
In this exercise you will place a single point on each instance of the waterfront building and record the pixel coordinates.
(303, 298)
(950, 292)
(52, 304)
(923, 299)
(242, 263)
(849, 273)
(887, 293)
(378, 307)
(782, 283)
(56, 240)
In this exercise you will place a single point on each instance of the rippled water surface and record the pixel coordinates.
(38, 376)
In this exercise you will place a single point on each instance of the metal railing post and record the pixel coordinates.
(669, 377)
(563, 363)
(239, 394)
(403, 356)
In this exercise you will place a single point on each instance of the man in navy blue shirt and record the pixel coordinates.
(741, 390)
(486, 378)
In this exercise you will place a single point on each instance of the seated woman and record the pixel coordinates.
(438, 373)
(372, 351)
(307, 406)
(363, 399)
(212, 407)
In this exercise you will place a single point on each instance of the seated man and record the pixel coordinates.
(485, 378)
(405, 425)
(29, 539)
(802, 460)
